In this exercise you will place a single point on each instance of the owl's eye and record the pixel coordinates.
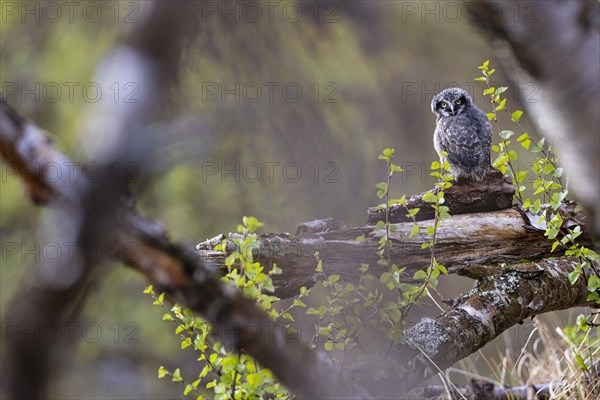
(443, 104)
(457, 102)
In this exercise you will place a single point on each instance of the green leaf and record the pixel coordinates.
(186, 343)
(501, 106)
(548, 168)
(430, 197)
(506, 134)
(491, 116)
(299, 303)
(488, 91)
(162, 372)
(580, 362)
(148, 289)
(177, 376)
(574, 276)
(593, 283)
(328, 345)
(230, 259)
(594, 297)
(541, 142)
(420, 274)
(167, 317)
(412, 212)
(288, 316)
(500, 90)
(525, 143)
(516, 115)
(441, 268)
(319, 266)
(395, 168)
(312, 311)
(188, 389)
(558, 172)
(414, 231)
(382, 186)
(480, 79)
(160, 300)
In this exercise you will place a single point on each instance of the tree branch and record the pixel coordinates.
(143, 245)
(466, 244)
(495, 192)
(491, 307)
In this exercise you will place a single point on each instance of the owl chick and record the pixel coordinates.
(464, 132)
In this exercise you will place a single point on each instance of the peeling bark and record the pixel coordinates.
(463, 242)
(495, 192)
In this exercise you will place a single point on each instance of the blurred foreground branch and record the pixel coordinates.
(143, 245)
(100, 214)
(562, 66)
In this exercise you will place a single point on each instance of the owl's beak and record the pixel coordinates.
(452, 112)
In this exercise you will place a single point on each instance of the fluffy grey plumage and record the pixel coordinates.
(464, 132)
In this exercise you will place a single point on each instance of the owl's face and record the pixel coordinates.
(450, 102)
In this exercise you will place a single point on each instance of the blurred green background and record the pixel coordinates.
(347, 80)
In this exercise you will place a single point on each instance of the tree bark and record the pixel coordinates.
(494, 305)
(495, 192)
(468, 241)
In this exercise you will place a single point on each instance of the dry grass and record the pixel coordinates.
(563, 362)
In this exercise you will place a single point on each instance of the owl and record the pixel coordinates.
(464, 132)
